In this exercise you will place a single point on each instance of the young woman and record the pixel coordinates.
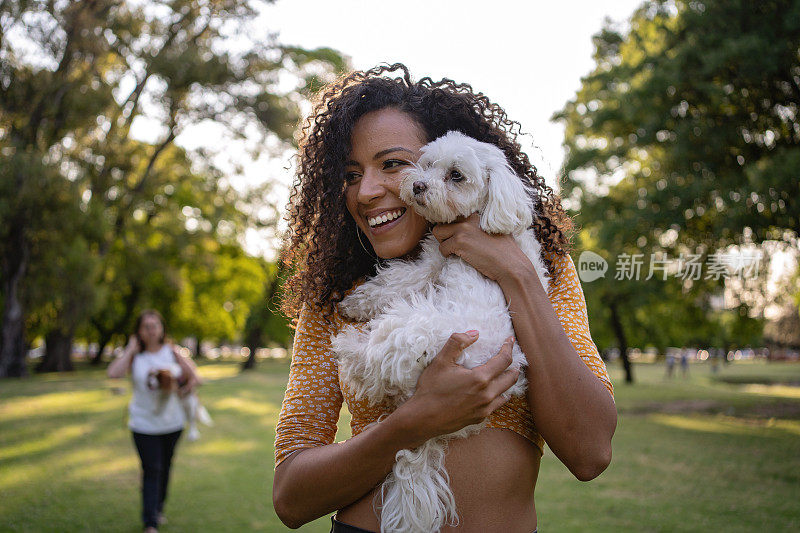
(156, 417)
(345, 217)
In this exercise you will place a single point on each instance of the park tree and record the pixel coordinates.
(697, 105)
(191, 224)
(701, 117)
(684, 137)
(216, 298)
(266, 323)
(98, 91)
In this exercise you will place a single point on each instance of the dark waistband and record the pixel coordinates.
(341, 527)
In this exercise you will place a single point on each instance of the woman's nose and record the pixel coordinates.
(371, 186)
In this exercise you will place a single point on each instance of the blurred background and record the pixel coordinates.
(146, 159)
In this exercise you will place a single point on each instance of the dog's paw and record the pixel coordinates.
(193, 434)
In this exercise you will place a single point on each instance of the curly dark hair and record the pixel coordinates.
(321, 250)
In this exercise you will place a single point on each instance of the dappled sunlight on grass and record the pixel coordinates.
(11, 476)
(778, 391)
(221, 446)
(250, 407)
(790, 426)
(65, 464)
(54, 438)
(58, 403)
(212, 372)
(718, 424)
(67, 458)
(98, 469)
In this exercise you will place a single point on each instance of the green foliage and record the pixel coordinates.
(216, 297)
(684, 139)
(60, 291)
(696, 107)
(115, 222)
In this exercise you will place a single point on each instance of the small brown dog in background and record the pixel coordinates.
(163, 381)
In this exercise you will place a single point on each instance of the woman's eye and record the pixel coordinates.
(455, 175)
(393, 163)
(350, 177)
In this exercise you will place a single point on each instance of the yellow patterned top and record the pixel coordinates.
(314, 394)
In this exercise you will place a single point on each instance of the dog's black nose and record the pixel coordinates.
(419, 187)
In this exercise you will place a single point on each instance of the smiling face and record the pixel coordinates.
(151, 331)
(384, 144)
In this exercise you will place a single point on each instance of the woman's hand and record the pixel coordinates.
(188, 387)
(120, 365)
(133, 345)
(449, 396)
(495, 256)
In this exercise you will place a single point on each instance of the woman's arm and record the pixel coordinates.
(119, 366)
(189, 370)
(317, 480)
(572, 409)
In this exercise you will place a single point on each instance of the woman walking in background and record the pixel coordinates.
(156, 416)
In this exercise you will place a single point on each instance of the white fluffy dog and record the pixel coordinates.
(412, 308)
(195, 412)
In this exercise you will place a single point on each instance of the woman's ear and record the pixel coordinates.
(509, 207)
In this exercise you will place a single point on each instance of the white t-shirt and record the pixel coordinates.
(154, 412)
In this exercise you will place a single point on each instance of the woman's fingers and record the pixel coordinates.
(499, 377)
(499, 362)
(443, 232)
(503, 382)
(450, 396)
(454, 345)
(497, 403)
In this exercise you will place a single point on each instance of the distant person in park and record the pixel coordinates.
(685, 362)
(715, 357)
(364, 131)
(670, 364)
(161, 375)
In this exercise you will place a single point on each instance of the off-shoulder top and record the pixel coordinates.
(314, 394)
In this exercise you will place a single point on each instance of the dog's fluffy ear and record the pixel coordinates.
(509, 207)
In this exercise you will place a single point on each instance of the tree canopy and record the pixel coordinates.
(101, 211)
(684, 140)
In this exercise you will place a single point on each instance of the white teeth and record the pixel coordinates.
(385, 217)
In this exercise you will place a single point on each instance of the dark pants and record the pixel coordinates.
(155, 451)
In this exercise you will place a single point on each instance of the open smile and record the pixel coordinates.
(385, 219)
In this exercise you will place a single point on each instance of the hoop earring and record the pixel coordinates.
(358, 235)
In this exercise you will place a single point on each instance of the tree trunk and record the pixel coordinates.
(254, 327)
(197, 352)
(57, 353)
(106, 333)
(97, 358)
(253, 341)
(12, 333)
(619, 331)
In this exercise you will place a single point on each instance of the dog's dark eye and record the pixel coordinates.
(455, 175)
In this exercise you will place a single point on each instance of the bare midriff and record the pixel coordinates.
(492, 474)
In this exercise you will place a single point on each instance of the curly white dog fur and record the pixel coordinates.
(412, 308)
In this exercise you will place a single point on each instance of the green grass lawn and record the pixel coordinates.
(702, 453)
